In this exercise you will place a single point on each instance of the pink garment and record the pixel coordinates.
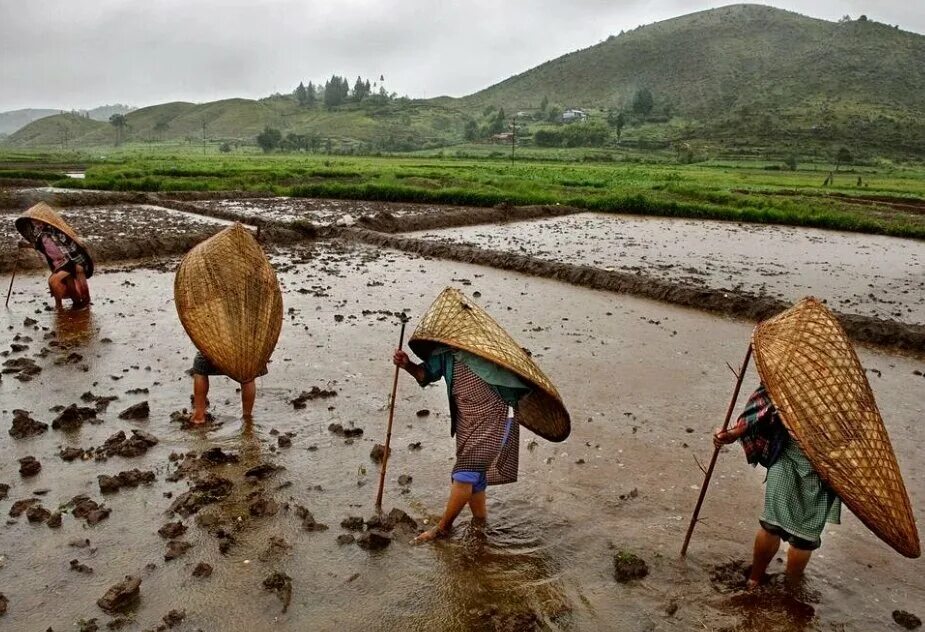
(57, 257)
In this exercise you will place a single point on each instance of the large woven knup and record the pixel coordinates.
(455, 321)
(820, 390)
(42, 212)
(229, 302)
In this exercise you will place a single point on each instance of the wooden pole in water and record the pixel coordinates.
(12, 278)
(388, 433)
(709, 473)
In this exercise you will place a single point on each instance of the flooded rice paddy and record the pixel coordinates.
(859, 274)
(645, 383)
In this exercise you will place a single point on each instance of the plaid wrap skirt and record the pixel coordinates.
(483, 441)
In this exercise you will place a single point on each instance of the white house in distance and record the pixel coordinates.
(572, 115)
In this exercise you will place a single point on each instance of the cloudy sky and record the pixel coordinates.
(82, 53)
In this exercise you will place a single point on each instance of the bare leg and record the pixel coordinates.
(797, 559)
(460, 494)
(200, 398)
(477, 506)
(766, 546)
(81, 286)
(248, 395)
(58, 287)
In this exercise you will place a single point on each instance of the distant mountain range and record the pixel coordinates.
(736, 77)
(14, 120)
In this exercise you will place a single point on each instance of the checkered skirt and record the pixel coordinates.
(480, 428)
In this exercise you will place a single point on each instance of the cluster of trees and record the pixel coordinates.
(590, 134)
(271, 139)
(493, 122)
(337, 91)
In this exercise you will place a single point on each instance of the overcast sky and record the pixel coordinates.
(83, 53)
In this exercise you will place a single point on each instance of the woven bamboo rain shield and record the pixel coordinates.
(455, 321)
(230, 304)
(816, 382)
(42, 212)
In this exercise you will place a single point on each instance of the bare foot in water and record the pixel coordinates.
(193, 421)
(430, 535)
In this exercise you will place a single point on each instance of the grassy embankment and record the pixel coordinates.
(739, 191)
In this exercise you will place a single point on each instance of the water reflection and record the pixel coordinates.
(74, 328)
(500, 577)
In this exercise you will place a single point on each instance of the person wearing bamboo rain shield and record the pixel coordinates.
(485, 398)
(229, 302)
(797, 502)
(815, 426)
(67, 257)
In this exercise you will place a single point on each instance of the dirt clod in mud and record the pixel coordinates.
(83, 507)
(281, 584)
(175, 549)
(628, 567)
(37, 513)
(378, 453)
(23, 369)
(131, 478)
(25, 426)
(75, 565)
(29, 466)
(308, 520)
(4, 602)
(174, 618)
(121, 596)
(374, 540)
(730, 575)
(348, 433)
(353, 523)
(207, 489)
(906, 619)
(310, 395)
(202, 570)
(4, 491)
(20, 506)
(262, 471)
(346, 538)
(73, 417)
(172, 530)
(136, 412)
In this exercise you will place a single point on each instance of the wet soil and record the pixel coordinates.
(867, 275)
(626, 480)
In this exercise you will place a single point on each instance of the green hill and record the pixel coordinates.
(738, 79)
(395, 125)
(748, 69)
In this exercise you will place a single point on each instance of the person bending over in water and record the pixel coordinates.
(67, 263)
(202, 369)
(483, 401)
(797, 502)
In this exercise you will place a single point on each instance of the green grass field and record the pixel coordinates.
(740, 191)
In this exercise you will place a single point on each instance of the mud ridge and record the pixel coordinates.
(865, 329)
(385, 222)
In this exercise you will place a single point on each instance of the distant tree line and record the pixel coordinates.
(337, 91)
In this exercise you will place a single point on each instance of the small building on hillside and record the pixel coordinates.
(503, 137)
(572, 115)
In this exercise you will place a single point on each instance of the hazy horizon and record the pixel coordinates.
(80, 55)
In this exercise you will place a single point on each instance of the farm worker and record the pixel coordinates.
(67, 256)
(493, 386)
(483, 399)
(797, 502)
(202, 369)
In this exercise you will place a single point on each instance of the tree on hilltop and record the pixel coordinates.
(643, 102)
(301, 94)
(118, 121)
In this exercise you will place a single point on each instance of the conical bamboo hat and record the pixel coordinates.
(44, 213)
(815, 380)
(455, 321)
(229, 302)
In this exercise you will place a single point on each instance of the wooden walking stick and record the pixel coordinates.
(709, 472)
(12, 278)
(388, 433)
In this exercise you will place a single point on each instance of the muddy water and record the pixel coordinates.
(645, 384)
(857, 274)
(321, 212)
